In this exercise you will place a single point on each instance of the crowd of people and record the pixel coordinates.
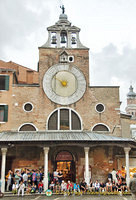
(114, 184)
(31, 181)
(26, 180)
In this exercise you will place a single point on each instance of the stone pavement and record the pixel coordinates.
(61, 197)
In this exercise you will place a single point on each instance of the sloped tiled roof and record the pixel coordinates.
(59, 136)
(21, 72)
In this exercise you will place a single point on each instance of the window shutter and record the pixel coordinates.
(6, 82)
(5, 113)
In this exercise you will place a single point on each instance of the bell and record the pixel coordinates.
(73, 40)
(63, 39)
(54, 39)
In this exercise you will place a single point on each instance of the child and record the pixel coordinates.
(52, 186)
(28, 189)
(14, 188)
(40, 187)
(69, 186)
(76, 188)
(33, 188)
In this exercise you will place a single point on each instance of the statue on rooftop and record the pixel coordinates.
(63, 9)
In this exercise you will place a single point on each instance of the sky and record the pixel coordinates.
(108, 29)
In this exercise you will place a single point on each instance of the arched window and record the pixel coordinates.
(100, 127)
(27, 127)
(64, 119)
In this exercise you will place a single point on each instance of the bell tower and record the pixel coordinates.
(131, 102)
(62, 34)
(63, 63)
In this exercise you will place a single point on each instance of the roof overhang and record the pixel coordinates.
(54, 136)
(63, 138)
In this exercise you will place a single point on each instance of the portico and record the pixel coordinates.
(84, 152)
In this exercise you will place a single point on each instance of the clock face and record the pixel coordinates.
(64, 84)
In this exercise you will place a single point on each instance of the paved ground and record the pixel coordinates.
(56, 197)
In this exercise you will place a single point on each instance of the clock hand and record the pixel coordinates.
(58, 79)
(63, 83)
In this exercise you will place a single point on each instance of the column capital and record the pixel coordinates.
(127, 149)
(4, 150)
(46, 149)
(86, 149)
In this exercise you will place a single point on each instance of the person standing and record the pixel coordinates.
(60, 175)
(114, 175)
(38, 177)
(25, 178)
(18, 177)
(29, 173)
(21, 188)
(8, 178)
(55, 176)
(34, 177)
(132, 186)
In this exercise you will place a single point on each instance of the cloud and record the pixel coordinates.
(18, 20)
(110, 67)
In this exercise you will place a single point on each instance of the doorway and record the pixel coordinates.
(65, 163)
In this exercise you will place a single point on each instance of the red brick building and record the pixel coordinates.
(52, 118)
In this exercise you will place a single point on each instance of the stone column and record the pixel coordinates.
(127, 149)
(69, 40)
(86, 149)
(3, 167)
(46, 150)
(58, 39)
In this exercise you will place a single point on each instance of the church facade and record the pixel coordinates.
(52, 118)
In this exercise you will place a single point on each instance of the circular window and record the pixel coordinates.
(99, 107)
(28, 107)
(71, 58)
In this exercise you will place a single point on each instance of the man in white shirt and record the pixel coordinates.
(63, 186)
(114, 178)
(109, 186)
(25, 178)
(21, 188)
(97, 186)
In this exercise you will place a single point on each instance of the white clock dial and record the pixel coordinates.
(64, 84)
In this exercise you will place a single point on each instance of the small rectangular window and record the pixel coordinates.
(4, 82)
(3, 113)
